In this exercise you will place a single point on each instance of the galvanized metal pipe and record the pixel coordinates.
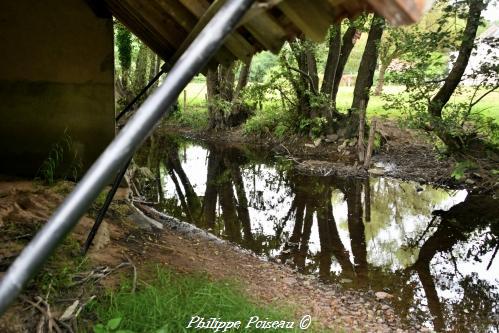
(120, 150)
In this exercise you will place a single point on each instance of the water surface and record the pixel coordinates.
(432, 248)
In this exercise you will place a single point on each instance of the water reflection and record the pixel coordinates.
(433, 249)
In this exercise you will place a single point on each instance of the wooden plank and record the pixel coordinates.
(159, 46)
(399, 12)
(158, 21)
(313, 17)
(177, 12)
(267, 31)
(235, 43)
(260, 7)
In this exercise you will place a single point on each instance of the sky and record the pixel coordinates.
(492, 13)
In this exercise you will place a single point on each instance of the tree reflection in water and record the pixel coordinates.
(429, 247)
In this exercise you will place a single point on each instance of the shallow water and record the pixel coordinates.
(433, 249)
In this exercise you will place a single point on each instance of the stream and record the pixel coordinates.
(432, 248)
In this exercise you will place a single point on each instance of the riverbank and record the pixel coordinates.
(404, 154)
(129, 244)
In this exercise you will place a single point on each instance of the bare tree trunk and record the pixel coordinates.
(368, 64)
(216, 115)
(361, 149)
(333, 58)
(348, 42)
(381, 79)
(140, 73)
(242, 82)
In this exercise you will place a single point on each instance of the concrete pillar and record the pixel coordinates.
(56, 76)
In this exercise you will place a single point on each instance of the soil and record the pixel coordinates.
(129, 239)
(405, 154)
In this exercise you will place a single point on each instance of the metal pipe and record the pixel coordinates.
(104, 208)
(120, 150)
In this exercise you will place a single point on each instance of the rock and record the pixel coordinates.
(469, 181)
(309, 145)
(385, 307)
(352, 143)
(332, 138)
(377, 171)
(317, 142)
(381, 295)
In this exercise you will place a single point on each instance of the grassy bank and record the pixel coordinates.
(272, 118)
(168, 301)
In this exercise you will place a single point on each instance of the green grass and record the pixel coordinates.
(169, 301)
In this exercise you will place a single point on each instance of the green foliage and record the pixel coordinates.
(111, 326)
(425, 71)
(124, 44)
(315, 126)
(270, 120)
(194, 117)
(169, 300)
(460, 169)
(261, 64)
(63, 161)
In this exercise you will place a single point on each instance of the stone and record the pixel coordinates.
(317, 142)
(381, 295)
(332, 138)
(469, 181)
(377, 171)
(309, 145)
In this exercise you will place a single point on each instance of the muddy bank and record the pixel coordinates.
(405, 154)
(128, 239)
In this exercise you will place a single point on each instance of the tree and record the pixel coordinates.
(429, 87)
(348, 41)
(452, 80)
(226, 107)
(393, 46)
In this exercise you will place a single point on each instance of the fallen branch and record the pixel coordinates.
(134, 284)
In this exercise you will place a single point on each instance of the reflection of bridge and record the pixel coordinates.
(56, 71)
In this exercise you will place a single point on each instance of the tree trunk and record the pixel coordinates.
(348, 42)
(242, 82)
(332, 61)
(140, 73)
(381, 79)
(368, 63)
(438, 102)
(216, 115)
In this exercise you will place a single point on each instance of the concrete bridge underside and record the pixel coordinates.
(56, 76)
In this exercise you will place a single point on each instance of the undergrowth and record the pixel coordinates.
(63, 161)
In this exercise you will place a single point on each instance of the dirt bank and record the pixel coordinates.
(128, 239)
(405, 154)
